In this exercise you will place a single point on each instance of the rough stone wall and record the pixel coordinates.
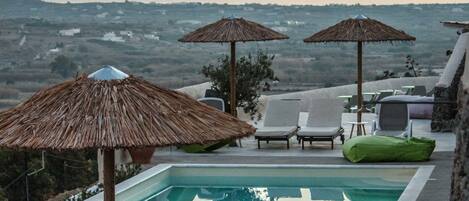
(460, 177)
(443, 119)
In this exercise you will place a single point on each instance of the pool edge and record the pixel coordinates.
(411, 192)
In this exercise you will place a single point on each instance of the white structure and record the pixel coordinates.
(111, 36)
(54, 51)
(151, 37)
(294, 22)
(69, 32)
(457, 10)
(280, 29)
(102, 15)
(454, 61)
(129, 34)
(193, 22)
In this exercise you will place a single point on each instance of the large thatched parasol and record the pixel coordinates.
(109, 110)
(232, 30)
(359, 29)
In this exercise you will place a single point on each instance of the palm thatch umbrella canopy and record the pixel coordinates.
(232, 30)
(359, 29)
(108, 110)
(457, 24)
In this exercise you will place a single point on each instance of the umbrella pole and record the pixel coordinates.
(233, 80)
(359, 84)
(109, 191)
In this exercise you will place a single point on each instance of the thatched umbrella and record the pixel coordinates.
(359, 29)
(110, 110)
(232, 30)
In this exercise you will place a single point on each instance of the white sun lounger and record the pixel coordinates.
(324, 122)
(393, 119)
(280, 121)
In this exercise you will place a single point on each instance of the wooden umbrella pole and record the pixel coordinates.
(359, 84)
(109, 191)
(233, 80)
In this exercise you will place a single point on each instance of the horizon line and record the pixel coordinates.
(208, 2)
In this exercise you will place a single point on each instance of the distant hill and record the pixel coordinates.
(151, 50)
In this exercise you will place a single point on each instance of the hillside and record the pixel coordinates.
(142, 40)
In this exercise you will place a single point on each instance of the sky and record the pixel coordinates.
(282, 2)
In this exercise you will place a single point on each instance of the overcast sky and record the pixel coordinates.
(281, 2)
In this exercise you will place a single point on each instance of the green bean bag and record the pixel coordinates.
(387, 149)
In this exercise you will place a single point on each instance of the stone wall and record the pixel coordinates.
(460, 176)
(460, 181)
(443, 119)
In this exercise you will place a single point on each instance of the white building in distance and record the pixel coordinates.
(111, 36)
(69, 32)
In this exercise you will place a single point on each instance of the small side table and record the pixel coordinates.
(359, 125)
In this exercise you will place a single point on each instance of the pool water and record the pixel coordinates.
(224, 182)
(175, 193)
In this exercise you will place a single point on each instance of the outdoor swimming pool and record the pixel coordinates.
(187, 182)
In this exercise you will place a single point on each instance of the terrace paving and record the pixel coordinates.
(421, 128)
(436, 189)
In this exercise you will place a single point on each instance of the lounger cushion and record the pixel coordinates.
(318, 131)
(387, 149)
(275, 131)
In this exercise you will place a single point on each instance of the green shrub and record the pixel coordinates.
(251, 71)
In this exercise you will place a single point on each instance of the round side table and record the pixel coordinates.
(359, 125)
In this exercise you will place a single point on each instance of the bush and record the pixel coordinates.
(3, 197)
(63, 66)
(251, 71)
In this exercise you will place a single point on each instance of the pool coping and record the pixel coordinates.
(411, 192)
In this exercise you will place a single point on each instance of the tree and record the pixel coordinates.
(412, 66)
(63, 66)
(386, 75)
(2, 195)
(251, 72)
(63, 171)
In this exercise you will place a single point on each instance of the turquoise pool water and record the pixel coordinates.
(221, 184)
(205, 182)
(277, 193)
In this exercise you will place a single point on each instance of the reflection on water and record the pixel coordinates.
(275, 194)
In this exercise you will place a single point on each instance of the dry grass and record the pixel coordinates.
(85, 113)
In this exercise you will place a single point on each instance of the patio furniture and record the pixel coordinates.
(280, 123)
(384, 94)
(408, 89)
(324, 122)
(393, 119)
(357, 124)
(211, 93)
(419, 110)
(217, 103)
(352, 104)
(359, 29)
(419, 91)
(387, 149)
